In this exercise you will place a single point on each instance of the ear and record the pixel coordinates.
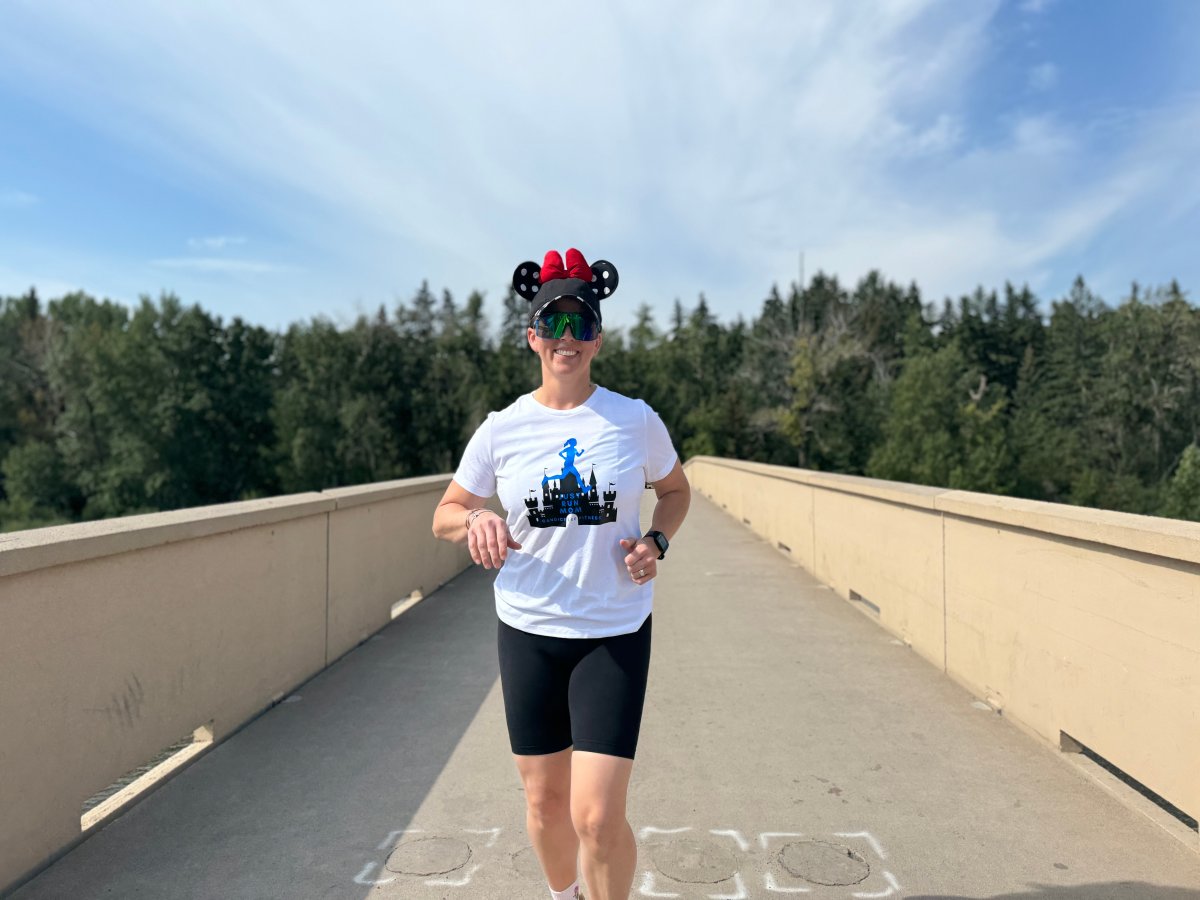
(527, 279)
(604, 278)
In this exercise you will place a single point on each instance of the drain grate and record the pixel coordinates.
(133, 786)
(1070, 745)
(859, 598)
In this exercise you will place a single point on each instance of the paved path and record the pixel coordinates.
(789, 743)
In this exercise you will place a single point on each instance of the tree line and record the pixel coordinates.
(110, 411)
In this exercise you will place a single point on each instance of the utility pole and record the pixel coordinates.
(801, 271)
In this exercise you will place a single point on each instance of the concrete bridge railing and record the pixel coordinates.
(1080, 625)
(118, 637)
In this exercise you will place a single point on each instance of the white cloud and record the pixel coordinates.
(11, 199)
(699, 147)
(1042, 135)
(220, 264)
(218, 242)
(1043, 77)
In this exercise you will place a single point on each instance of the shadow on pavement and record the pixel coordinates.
(297, 802)
(1107, 890)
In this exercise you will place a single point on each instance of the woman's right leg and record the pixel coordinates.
(535, 673)
(547, 780)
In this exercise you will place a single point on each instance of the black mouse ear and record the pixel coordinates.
(604, 278)
(527, 279)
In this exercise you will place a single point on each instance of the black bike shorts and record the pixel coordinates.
(586, 692)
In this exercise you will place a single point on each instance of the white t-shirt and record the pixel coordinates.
(571, 484)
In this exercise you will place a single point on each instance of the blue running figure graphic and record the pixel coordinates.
(568, 453)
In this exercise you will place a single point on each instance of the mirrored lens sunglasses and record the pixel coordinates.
(554, 324)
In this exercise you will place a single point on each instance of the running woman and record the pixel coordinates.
(574, 592)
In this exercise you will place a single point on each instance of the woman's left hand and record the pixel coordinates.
(641, 560)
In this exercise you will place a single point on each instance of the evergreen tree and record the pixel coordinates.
(1182, 500)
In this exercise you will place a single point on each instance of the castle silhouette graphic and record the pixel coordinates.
(563, 496)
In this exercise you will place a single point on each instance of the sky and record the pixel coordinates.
(281, 161)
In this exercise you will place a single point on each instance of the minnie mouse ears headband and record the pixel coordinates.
(542, 285)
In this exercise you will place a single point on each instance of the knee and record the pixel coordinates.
(599, 826)
(546, 804)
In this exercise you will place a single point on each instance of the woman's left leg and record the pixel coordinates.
(608, 852)
(606, 695)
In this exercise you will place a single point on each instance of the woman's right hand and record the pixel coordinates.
(489, 540)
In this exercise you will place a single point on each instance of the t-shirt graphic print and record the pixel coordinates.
(571, 483)
(567, 494)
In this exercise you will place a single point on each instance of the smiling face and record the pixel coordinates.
(565, 356)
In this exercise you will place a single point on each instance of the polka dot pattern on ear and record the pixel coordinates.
(604, 278)
(527, 279)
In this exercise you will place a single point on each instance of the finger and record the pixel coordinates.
(494, 548)
(485, 552)
(473, 547)
(641, 567)
(485, 557)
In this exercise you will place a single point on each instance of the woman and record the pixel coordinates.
(570, 461)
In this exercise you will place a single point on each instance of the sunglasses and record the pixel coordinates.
(552, 325)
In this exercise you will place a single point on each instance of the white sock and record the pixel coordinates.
(567, 893)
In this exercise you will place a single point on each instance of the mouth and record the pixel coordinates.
(567, 353)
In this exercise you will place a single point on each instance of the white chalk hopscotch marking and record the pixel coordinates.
(894, 888)
(762, 838)
(736, 835)
(649, 828)
(364, 877)
(461, 882)
(389, 843)
(879, 851)
(770, 885)
(494, 832)
(741, 890)
(647, 888)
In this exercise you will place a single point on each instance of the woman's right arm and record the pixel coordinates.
(488, 539)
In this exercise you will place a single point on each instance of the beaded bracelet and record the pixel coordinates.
(474, 514)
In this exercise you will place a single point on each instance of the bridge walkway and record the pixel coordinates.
(791, 747)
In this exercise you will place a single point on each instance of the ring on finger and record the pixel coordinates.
(641, 573)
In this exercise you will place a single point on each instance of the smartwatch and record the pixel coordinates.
(660, 541)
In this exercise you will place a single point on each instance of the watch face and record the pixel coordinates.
(661, 540)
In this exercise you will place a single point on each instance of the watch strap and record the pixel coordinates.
(654, 536)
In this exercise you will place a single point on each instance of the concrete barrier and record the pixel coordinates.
(118, 637)
(1080, 625)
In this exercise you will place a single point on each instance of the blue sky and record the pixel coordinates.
(279, 161)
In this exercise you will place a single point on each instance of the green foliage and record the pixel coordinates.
(108, 411)
(945, 427)
(1182, 499)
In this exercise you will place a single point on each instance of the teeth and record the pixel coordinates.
(566, 352)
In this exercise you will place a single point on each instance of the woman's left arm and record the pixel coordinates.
(674, 497)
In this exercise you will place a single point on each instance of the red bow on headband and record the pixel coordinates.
(576, 267)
